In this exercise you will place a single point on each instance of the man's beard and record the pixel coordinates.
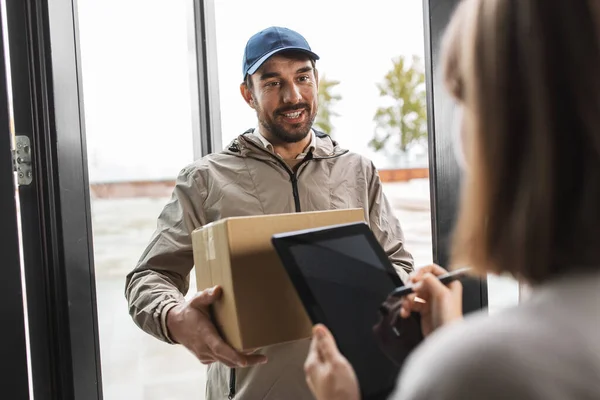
(296, 133)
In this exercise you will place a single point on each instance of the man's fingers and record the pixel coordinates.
(230, 357)
(208, 361)
(253, 358)
(204, 359)
(256, 359)
(206, 297)
(223, 352)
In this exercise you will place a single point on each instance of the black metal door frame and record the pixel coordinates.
(13, 358)
(55, 217)
(444, 171)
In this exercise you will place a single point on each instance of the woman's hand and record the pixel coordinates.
(328, 373)
(437, 304)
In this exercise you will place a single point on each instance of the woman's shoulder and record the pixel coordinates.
(548, 347)
(471, 359)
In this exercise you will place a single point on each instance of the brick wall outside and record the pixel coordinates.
(165, 187)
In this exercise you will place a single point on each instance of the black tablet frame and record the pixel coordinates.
(284, 241)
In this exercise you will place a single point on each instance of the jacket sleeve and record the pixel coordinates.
(386, 227)
(161, 278)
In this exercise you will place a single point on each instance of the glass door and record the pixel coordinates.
(138, 106)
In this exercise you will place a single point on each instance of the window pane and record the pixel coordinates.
(139, 135)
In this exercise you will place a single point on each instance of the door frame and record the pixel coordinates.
(13, 360)
(444, 171)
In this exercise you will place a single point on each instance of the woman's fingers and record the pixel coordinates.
(312, 360)
(326, 345)
(411, 304)
(431, 269)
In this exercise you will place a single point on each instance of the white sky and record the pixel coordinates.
(136, 72)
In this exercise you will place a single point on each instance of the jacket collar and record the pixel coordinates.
(248, 145)
(267, 145)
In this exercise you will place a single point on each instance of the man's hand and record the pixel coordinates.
(328, 373)
(189, 324)
(437, 304)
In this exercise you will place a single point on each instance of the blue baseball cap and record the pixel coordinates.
(271, 41)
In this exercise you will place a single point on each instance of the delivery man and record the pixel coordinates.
(281, 166)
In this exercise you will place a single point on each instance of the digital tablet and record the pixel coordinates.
(342, 276)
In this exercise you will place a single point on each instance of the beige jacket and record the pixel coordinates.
(248, 179)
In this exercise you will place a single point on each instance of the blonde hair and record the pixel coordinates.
(528, 75)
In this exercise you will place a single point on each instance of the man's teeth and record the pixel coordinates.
(293, 115)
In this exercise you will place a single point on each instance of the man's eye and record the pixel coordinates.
(272, 84)
(304, 78)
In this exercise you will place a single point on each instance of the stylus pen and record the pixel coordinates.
(445, 279)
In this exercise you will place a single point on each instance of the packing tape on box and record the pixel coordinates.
(209, 242)
(210, 245)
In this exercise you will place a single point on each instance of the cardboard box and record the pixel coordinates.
(259, 306)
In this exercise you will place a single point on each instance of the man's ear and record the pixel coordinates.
(247, 94)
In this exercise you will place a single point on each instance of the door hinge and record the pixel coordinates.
(22, 160)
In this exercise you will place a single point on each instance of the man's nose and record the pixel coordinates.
(291, 94)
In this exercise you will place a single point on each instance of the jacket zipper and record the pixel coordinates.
(294, 180)
(292, 174)
(231, 384)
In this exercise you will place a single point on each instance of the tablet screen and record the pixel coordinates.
(342, 278)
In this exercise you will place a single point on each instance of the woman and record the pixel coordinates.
(527, 75)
